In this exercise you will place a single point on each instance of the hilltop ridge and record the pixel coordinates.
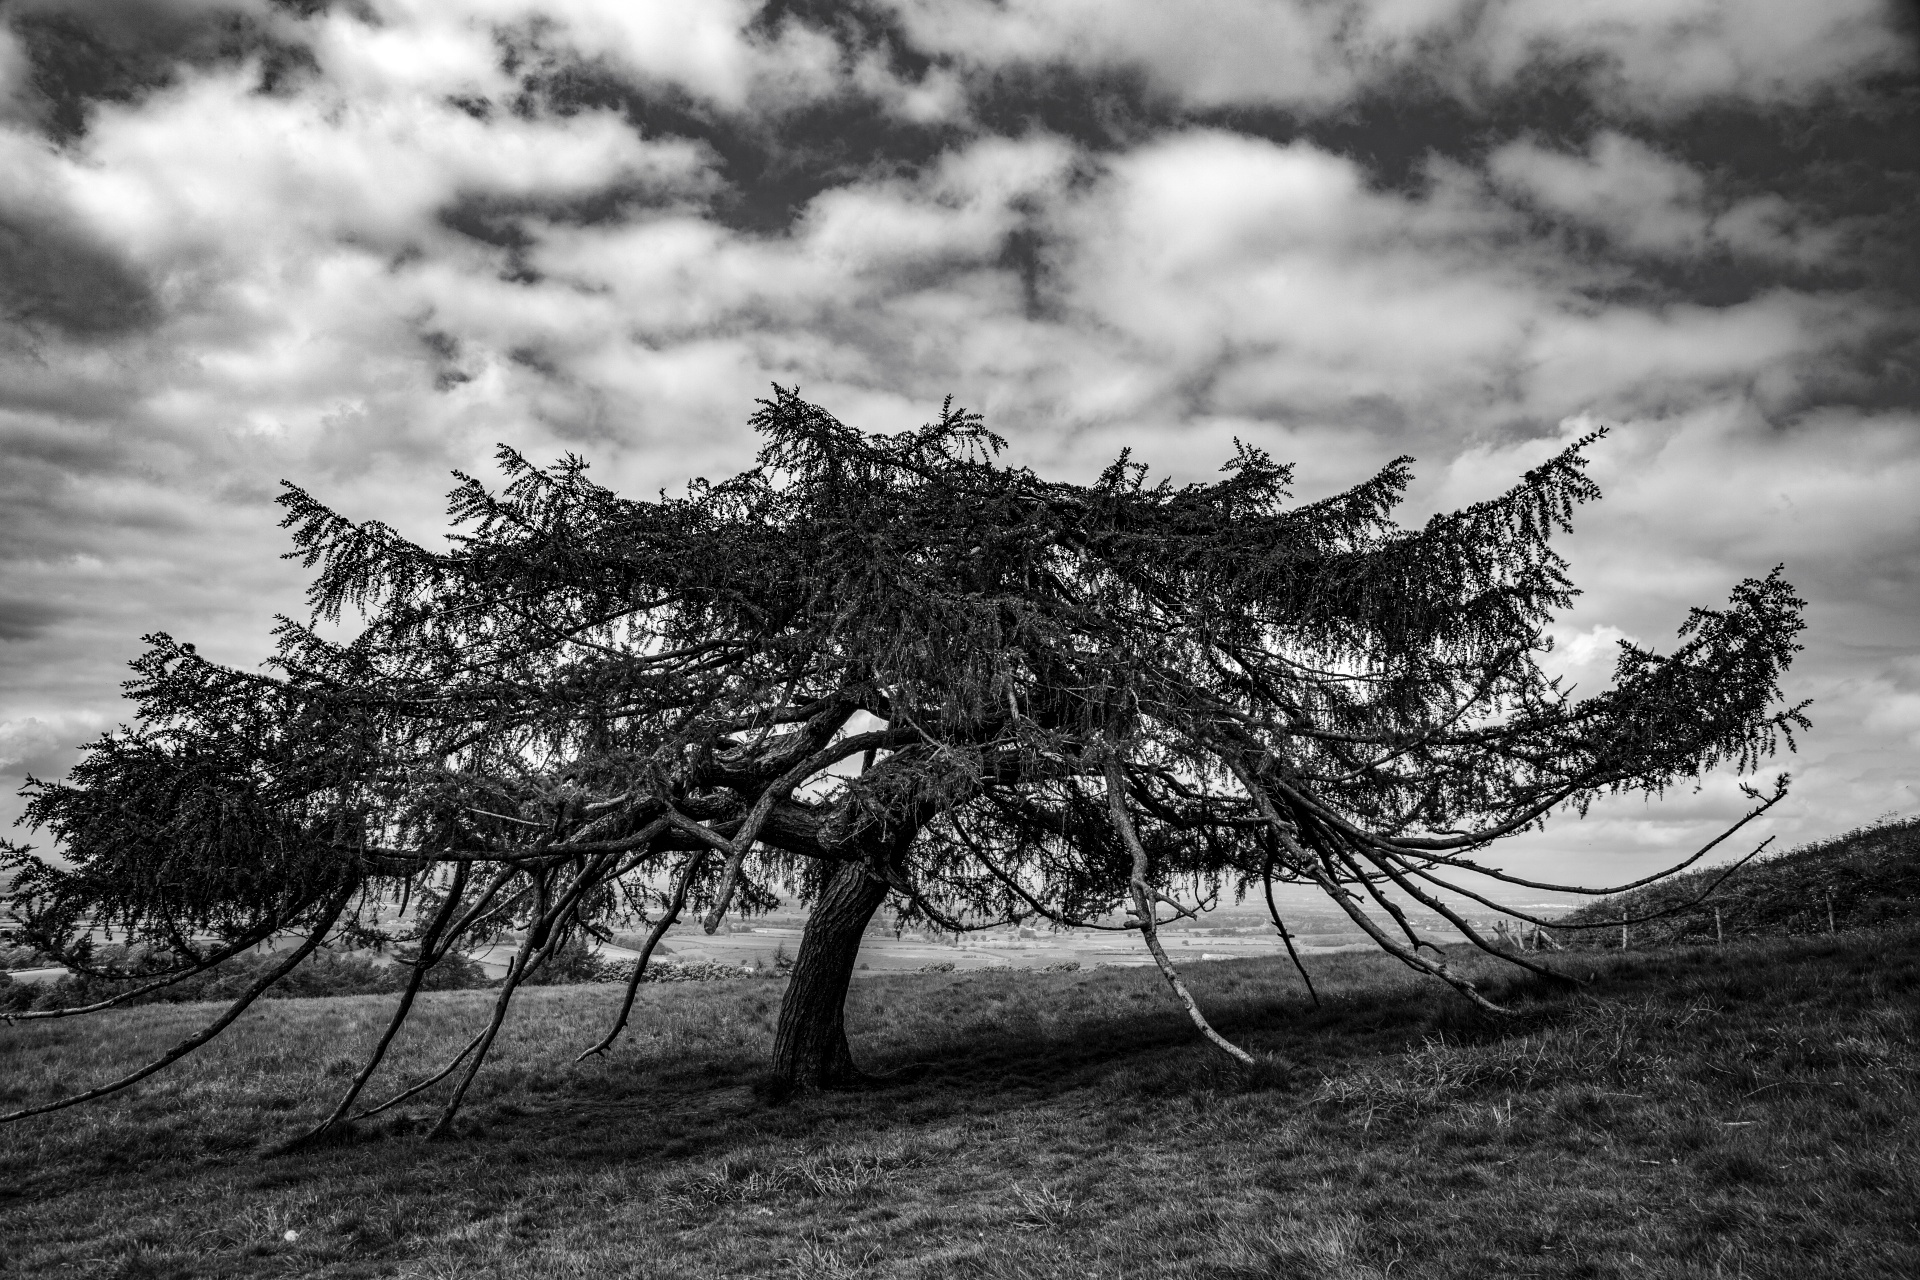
(1864, 878)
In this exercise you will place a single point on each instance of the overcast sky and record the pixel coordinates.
(356, 245)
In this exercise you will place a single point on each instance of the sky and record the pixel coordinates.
(357, 246)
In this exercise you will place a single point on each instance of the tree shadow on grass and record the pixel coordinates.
(1074, 1058)
(974, 1046)
(1130, 1023)
(956, 1047)
(945, 1047)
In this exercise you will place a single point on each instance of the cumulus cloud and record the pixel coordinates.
(40, 747)
(1273, 280)
(43, 747)
(1647, 59)
(1636, 59)
(1583, 659)
(1216, 52)
(1647, 202)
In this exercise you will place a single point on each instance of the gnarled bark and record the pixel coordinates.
(810, 1043)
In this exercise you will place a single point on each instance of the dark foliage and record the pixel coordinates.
(1000, 696)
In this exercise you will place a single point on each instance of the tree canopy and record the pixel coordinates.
(881, 666)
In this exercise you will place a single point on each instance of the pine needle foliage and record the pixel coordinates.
(1007, 697)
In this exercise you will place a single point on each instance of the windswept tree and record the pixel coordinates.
(873, 668)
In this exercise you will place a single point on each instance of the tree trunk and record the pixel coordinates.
(810, 1044)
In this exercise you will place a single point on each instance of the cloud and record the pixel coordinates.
(52, 277)
(1647, 202)
(708, 49)
(1891, 699)
(1212, 53)
(1272, 280)
(25, 619)
(1583, 659)
(180, 175)
(1643, 60)
(1636, 60)
(43, 747)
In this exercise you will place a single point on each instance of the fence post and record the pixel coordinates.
(1720, 939)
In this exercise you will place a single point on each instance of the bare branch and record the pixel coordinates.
(676, 900)
(424, 961)
(206, 1033)
(1143, 897)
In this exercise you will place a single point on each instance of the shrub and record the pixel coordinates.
(693, 971)
(15, 955)
(454, 972)
(574, 964)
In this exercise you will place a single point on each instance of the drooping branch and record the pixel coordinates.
(1273, 911)
(1284, 832)
(1779, 794)
(219, 956)
(516, 973)
(417, 973)
(428, 1083)
(1143, 902)
(549, 928)
(676, 900)
(329, 914)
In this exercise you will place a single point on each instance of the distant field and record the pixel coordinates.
(1236, 937)
(1233, 931)
(1739, 1111)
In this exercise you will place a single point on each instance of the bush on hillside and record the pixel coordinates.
(694, 971)
(574, 964)
(455, 972)
(15, 955)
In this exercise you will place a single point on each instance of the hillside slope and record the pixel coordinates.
(1863, 879)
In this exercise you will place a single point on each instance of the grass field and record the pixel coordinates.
(1739, 1111)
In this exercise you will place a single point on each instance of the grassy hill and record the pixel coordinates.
(1744, 1110)
(1865, 879)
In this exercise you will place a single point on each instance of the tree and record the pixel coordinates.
(879, 667)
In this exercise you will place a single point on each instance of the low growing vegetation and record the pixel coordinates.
(1745, 1110)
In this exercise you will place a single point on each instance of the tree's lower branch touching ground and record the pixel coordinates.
(1143, 903)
